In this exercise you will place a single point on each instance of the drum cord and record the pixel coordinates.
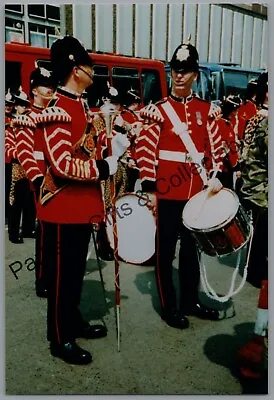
(210, 292)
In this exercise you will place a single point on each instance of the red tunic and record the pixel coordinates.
(26, 143)
(10, 144)
(247, 109)
(176, 176)
(71, 192)
(229, 144)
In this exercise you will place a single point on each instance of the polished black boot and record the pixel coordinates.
(41, 290)
(71, 353)
(16, 239)
(88, 331)
(200, 311)
(175, 319)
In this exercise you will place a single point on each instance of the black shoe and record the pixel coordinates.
(41, 292)
(30, 235)
(16, 239)
(91, 331)
(71, 353)
(203, 312)
(106, 254)
(176, 320)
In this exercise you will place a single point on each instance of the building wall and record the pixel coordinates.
(221, 33)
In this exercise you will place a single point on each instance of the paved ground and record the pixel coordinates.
(154, 358)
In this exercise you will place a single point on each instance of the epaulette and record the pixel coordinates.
(214, 111)
(23, 120)
(52, 114)
(151, 112)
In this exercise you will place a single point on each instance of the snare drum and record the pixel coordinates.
(136, 229)
(217, 221)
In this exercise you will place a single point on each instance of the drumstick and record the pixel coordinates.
(207, 192)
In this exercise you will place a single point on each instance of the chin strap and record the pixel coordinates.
(209, 291)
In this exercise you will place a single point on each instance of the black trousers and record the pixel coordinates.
(170, 227)
(64, 257)
(7, 188)
(40, 267)
(24, 205)
(258, 262)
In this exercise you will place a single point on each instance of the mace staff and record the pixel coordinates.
(108, 111)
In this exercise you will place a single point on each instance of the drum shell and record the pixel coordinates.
(224, 235)
(229, 238)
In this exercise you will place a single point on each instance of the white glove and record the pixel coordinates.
(214, 185)
(119, 144)
(119, 121)
(112, 163)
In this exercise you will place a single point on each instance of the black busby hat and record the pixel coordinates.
(262, 88)
(185, 59)
(21, 98)
(230, 103)
(66, 53)
(132, 96)
(9, 99)
(40, 77)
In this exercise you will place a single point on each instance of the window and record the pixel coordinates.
(124, 79)
(53, 12)
(37, 10)
(37, 35)
(151, 86)
(41, 35)
(12, 76)
(14, 30)
(99, 88)
(17, 8)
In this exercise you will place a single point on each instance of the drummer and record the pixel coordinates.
(168, 191)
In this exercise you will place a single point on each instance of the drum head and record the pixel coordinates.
(136, 228)
(206, 211)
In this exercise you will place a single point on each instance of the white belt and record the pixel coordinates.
(38, 155)
(177, 156)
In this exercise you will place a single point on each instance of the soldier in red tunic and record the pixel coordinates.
(9, 105)
(230, 142)
(168, 171)
(21, 197)
(248, 107)
(30, 155)
(70, 198)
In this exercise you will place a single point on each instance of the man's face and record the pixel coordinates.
(8, 109)
(85, 75)
(182, 82)
(20, 109)
(43, 94)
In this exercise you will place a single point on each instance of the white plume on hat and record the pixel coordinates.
(182, 53)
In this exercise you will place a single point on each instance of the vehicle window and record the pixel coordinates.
(99, 88)
(201, 86)
(124, 79)
(235, 82)
(13, 76)
(151, 86)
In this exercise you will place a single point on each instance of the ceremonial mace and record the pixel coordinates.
(108, 112)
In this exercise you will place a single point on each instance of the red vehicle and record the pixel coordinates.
(122, 72)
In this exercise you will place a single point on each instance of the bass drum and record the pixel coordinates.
(136, 229)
